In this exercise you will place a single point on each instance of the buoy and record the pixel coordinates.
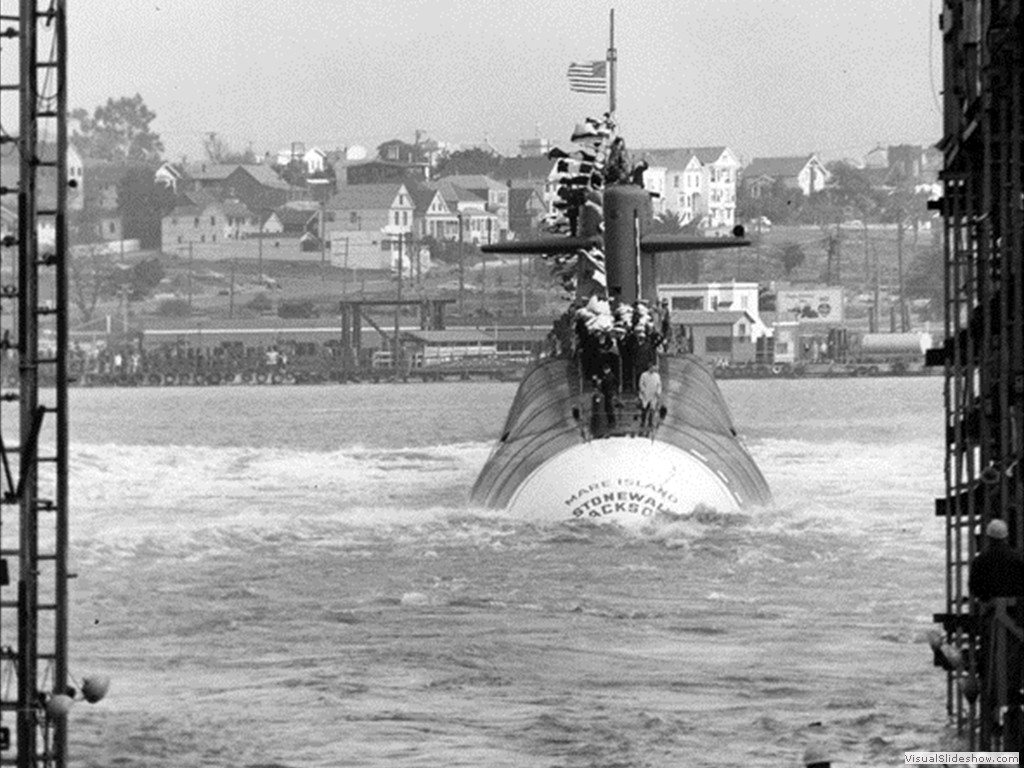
(58, 705)
(95, 688)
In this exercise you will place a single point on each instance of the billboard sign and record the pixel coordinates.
(824, 303)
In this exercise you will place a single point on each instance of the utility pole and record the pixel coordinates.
(124, 289)
(323, 241)
(344, 273)
(190, 277)
(904, 324)
(398, 307)
(877, 311)
(462, 268)
(757, 250)
(231, 292)
(260, 262)
(419, 263)
(483, 272)
(522, 289)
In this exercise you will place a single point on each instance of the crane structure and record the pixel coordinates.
(982, 207)
(34, 692)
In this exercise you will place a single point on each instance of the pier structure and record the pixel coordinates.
(983, 358)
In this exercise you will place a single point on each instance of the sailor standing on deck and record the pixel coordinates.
(650, 394)
(609, 384)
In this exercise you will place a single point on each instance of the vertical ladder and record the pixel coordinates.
(33, 392)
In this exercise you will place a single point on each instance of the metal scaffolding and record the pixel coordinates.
(983, 212)
(33, 327)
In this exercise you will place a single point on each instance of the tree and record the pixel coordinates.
(144, 277)
(219, 151)
(260, 303)
(779, 203)
(91, 271)
(468, 162)
(118, 131)
(850, 189)
(677, 267)
(173, 308)
(400, 151)
(925, 279)
(143, 204)
(791, 256)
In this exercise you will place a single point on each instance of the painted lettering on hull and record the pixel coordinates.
(623, 495)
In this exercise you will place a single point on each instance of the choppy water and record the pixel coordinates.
(291, 577)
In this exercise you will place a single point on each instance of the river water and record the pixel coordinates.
(277, 577)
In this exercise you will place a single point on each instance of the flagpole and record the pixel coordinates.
(612, 58)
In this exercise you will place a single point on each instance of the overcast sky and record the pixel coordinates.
(765, 77)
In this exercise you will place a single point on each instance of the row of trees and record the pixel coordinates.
(849, 195)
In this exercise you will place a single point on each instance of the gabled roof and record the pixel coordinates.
(423, 197)
(777, 166)
(453, 193)
(366, 197)
(196, 197)
(675, 159)
(519, 197)
(294, 216)
(706, 155)
(265, 175)
(172, 169)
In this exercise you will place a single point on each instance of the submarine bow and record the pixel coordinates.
(548, 465)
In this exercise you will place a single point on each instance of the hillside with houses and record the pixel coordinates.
(309, 225)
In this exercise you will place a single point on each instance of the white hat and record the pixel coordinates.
(997, 530)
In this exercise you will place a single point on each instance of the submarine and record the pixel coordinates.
(578, 443)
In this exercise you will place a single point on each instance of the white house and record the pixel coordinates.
(170, 175)
(315, 160)
(804, 172)
(696, 183)
(716, 297)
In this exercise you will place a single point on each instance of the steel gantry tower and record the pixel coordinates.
(983, 212)
(34, 696)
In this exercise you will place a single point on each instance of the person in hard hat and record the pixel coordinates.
(998, 571)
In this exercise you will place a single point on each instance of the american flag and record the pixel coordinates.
(588, 77)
